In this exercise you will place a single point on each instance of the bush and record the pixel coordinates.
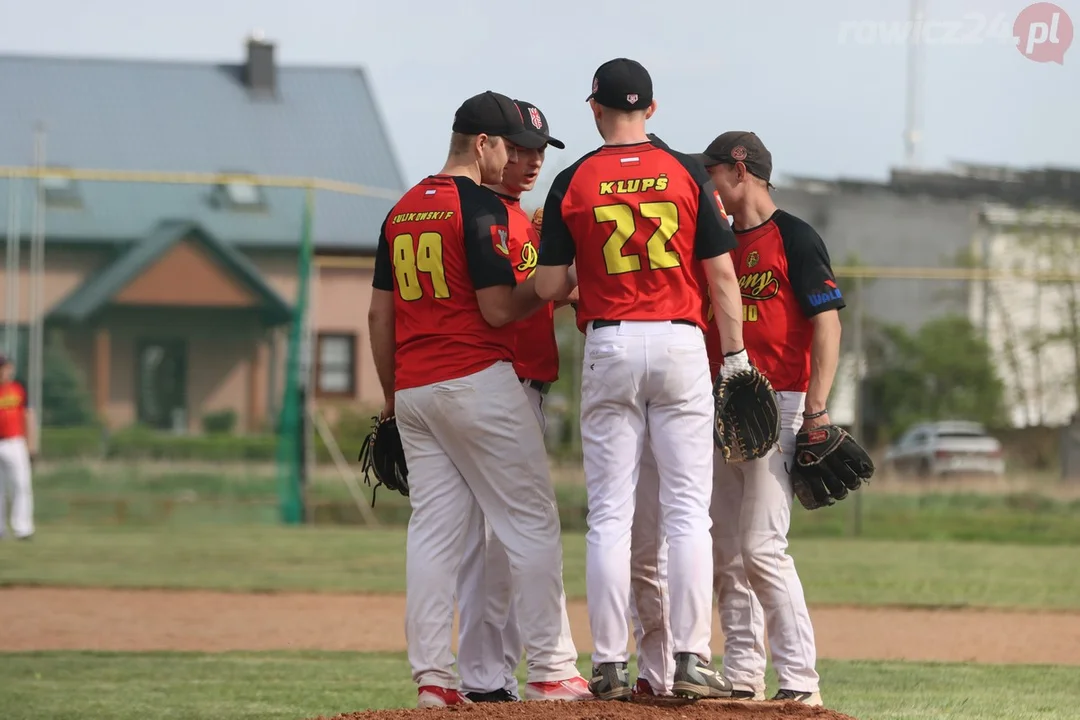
(218, 444)
(143, 444)
(73, 443)
(222, 421)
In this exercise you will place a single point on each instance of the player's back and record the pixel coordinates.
(632, 211)
(439, 329)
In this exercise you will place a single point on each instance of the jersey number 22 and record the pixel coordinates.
(666, 215)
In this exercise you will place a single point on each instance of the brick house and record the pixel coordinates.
(175, 300)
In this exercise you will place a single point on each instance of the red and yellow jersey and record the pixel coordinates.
(536, 353)
(636, 220)
(12, 410)
(446, 238)
(786, 278)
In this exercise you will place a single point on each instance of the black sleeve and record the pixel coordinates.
(714, 235)
(809, 268)
(486, 225)
(384, 268)
(556, 243)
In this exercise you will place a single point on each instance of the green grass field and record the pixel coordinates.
(292, 686)
(130, 527)
(154, 495)
(262, 558)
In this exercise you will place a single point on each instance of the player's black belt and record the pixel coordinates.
(537, 385)
(616, 323)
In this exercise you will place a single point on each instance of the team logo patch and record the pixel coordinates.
(738, 152)
(752, 259)
(499, 235)
(632, 98)
(595, 85)
(534, 115)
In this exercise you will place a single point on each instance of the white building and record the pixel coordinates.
(1031, 323)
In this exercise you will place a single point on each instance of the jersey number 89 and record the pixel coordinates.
(623, 215)
(426, 257)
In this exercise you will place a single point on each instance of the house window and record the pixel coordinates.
(336, 369)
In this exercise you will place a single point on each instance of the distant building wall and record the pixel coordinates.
(1028, 323)
(881, 229)
(886, 230)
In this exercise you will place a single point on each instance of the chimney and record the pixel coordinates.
(260, 73)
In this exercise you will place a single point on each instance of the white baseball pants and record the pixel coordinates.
(489, 641)
(15, 479)
(653, 375)
(756, 582)
(649, 603)
(472, 447)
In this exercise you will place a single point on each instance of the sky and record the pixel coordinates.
(822, 82)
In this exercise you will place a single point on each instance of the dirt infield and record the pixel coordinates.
(643, 710)
(134, 620)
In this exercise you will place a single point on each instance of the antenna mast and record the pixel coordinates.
(912, 130)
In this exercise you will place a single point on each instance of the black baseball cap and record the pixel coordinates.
(536, 126)
(739, 146)
(491, 113)
(622, 84)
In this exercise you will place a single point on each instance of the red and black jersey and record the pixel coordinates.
(786, 278)
(635, 220)
(536, 353)
(446, 238)
(12, 410)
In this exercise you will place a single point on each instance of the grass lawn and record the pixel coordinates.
(266, 558)
(292, 686)
(156, 494)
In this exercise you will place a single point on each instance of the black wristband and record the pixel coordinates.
(736, 352)
(818, 414)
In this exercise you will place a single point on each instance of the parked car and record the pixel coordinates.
(946, 447)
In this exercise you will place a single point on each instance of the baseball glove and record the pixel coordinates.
(383, 456)
(828, 464)
(746, 416)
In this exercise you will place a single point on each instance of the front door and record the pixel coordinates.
(161, 383)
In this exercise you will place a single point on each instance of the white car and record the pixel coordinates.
(946, 447)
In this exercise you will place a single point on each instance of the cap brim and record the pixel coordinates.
(706, 160)
(527, 139)
(556, 143)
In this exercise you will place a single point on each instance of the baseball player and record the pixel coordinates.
(16, 441)
(647, 234)
(792, 329)
(489, 642)
(443, 296)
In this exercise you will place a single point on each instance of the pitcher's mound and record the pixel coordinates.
(650, 709)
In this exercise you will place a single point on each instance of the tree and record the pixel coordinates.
(945, 370)
(65, 400)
